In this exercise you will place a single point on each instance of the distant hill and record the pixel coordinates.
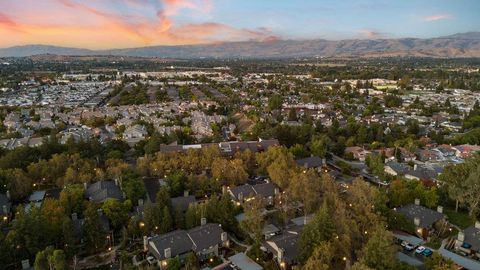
(457, 45)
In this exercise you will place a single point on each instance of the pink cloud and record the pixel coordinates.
(370, 34)
(438, 17)
(103, 24)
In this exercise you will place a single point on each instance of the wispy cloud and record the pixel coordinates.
(370, 33)
(437, 17)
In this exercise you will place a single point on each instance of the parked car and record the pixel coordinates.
(407, 246)
(420, 250)
(427, 252)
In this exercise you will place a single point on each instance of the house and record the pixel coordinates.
(100, 191)
(35, 199)
(204, 240)
(447, 150)
(78, 225)
(468, 240)
(183, 202)
(267, 191)
(152, 186)
(422, 217)
(394, 168)
(135, 132)
(357, 152)
(466, 150)
(428, 155)
(284, 248)
(311, 163)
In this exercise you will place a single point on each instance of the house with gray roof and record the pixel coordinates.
(468, 240)
(100, 191)
(204, 240)
(285, 248)
(310, 163)
(183, 202)
(424, 218)
(267, 191)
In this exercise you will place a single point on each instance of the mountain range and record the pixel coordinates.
(458, 45)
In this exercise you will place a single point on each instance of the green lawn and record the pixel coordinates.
(461, 219)
(435, 243)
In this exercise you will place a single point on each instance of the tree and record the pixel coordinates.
(71, 198)
(379, 252)
(116, 211)
(321, 257)
(174, 264)
(133, 186)
(320, 229)
(438, 262)
(275, 102)
(41, 261)
(319, 146)
(191, 262)
(230, 172)
(58, 260)
(254, 219)
(176, 181)
(167, 222)
(94, 234)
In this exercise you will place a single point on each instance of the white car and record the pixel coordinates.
(420, 250)
(407, 246)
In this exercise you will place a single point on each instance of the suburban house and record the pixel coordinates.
(468, 240)
(35, 199)
(78, 225)
(357, 152)
(424, 218)
(267, 191)
(135, 132)
(466, 150)
(183, 202)
(284, 248)
(152, 186)
(100, 191)
(311, 163)
(204, 240)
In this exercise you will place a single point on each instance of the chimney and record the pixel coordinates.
(203, 221)
(240, 196)
(461, 236)
(167, 253)
(440, 209)
(8, 194)
(185, 193)
(116, 181)
(74, 216)
(85, 186)
(277, 191)
(224, 189)
(4, 208)
(145, 243)
(477, 224)
(224, 237)
(280, 254)
(415, 167)
(417, 201)
(416, 221)
(140, 202)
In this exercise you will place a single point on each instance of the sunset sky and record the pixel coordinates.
(102, 24)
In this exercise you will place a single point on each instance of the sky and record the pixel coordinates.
(106, 24)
